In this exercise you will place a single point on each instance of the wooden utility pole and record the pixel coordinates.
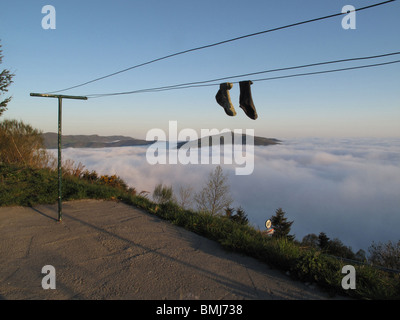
(59, 97)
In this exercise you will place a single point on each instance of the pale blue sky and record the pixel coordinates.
(95, 38)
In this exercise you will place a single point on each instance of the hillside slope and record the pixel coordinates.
(90, 141)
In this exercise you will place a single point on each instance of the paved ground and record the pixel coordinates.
(108, 250)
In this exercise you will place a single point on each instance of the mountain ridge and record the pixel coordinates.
(50, 140)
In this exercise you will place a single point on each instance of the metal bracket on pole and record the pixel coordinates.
(59, 97)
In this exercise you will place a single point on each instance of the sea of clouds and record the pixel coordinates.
(347, 188)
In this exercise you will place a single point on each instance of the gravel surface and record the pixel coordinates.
(108, 250)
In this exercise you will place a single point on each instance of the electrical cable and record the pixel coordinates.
(207, 82)
(220, 43)
(329, 71)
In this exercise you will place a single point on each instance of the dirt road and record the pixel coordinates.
(108, 250)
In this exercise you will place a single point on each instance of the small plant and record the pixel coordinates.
(162, 194)
(144, 194)
(90, 176)
(70, 168)
(113, 181)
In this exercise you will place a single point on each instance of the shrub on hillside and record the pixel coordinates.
(21, 144)
(113, 181)
(162, 194)
(385, 254)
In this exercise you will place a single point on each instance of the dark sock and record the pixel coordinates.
(224, 99)
(246, 100)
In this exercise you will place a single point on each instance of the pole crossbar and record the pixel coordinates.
(46, 95)
(59, 97)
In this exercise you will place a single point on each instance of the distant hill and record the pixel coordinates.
(91, 141)
(96, 141)
(258, 141)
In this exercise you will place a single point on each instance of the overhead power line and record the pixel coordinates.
(206, 83)
(220, 43)
(329, 71)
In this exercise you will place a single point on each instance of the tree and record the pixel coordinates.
(229, 211)
(361, 255)
(5, 81)
(215, 196)
(310, 240)
(185, 197)
(323, 241)
(334, 247)
(385, 254)
(281, 225)
(337, 248)
(240, 216)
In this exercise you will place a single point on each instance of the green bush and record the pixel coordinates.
(21, 144)
(308, 266)
(162, 194)
(32, 186)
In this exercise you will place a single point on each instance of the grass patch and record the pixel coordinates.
(26, 186)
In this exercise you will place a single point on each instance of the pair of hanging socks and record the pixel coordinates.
(245, 100)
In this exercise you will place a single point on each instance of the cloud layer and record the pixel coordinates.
(347, 188)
